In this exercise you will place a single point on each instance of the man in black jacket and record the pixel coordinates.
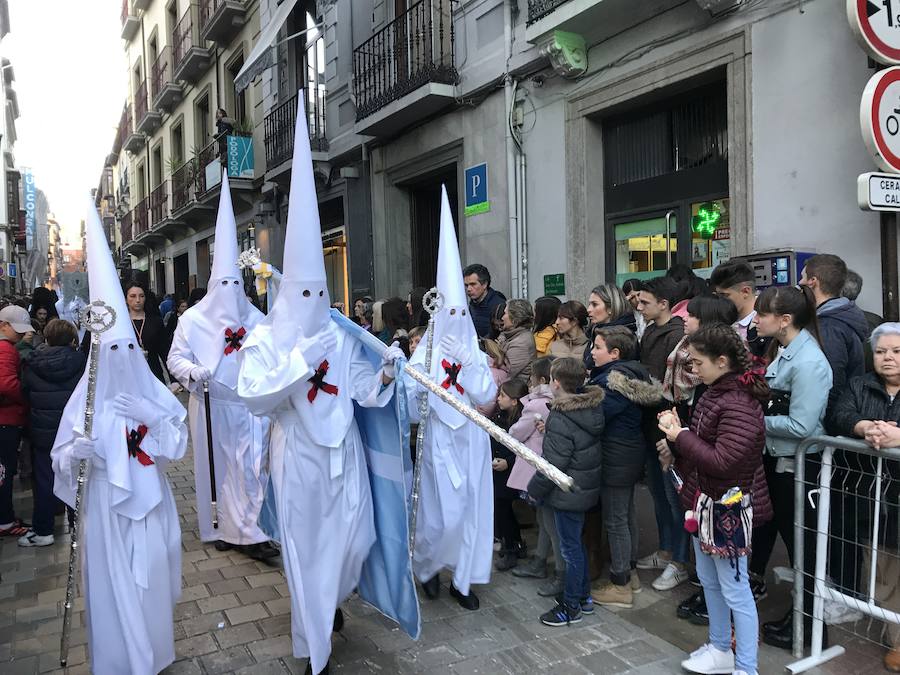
(482, 298)
(843, 329)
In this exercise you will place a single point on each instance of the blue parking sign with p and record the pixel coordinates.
(477, 190)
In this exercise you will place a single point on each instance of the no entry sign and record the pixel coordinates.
(876, 24)
(879, 118)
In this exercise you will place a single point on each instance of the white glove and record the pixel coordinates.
(200, 374)
(83, 448)
(139, 409)
(317, 348)
(453, 348)
(391, 354)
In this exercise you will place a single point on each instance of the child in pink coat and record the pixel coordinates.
(530, 431)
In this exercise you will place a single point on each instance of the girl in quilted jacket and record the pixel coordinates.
(725, 492)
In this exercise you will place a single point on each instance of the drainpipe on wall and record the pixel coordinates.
(509, 84)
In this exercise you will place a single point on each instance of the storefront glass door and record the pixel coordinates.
(645, 247)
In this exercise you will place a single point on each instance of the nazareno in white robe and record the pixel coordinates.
(131, 538)
(319, 472)
(240, 442)
(455, 522)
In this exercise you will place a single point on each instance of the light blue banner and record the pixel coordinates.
(29, 193)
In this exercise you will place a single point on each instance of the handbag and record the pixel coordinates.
(725, 530)
(779, 403)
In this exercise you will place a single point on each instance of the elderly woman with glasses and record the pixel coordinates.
(869, 408)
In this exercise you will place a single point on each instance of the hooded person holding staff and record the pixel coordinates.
(204, 350)
(131, 556)
(338, 477)
(454, 526)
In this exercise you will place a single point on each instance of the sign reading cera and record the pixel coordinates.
(878, 192)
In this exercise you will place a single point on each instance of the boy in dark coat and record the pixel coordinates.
(572, 444)
(627, 390)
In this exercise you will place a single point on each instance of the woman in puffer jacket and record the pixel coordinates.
(721, 453)
(48, 380)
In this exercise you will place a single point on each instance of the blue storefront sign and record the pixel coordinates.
(240, 157)
(477, 190)
(11, 270)
(28, 192)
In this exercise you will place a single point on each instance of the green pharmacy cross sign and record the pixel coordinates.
(707, 220)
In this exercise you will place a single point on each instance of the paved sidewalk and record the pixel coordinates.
(234, 616)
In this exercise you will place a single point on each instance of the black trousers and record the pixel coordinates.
(42, 494)
(9, 464)
(506, 525)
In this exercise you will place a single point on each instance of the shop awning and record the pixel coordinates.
(263, 55)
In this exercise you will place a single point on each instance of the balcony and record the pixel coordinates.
(133, 140)
(538, 9)
(126, 229)
(221, 20)
(165, 89)
(147, 120)
(121, 136)
(191, 57)
(140, 218)
(407, 70)
(130, 21)
(195, 184)
(279, 131)
(592, 20)
(183, 191)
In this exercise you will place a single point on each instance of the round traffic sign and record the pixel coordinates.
(876, 24)
(879, 118)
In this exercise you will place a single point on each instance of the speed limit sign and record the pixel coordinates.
(879, 118)
(876, 24)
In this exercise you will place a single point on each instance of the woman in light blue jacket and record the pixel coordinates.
(799, 377)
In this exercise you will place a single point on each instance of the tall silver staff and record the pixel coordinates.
(432, 302)
(97, 318)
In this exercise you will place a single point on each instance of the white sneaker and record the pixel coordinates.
(654, 561)
(32, 539)
(708, 660)
(671, 577)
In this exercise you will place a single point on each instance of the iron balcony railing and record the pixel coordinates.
(123, 131)
(279, 128)
(141, 217)
(141, 105)
(184, 36)
(412, 50)
(538, 9)
(159, 203)
(207, 9)
(125, 228)
(207, 155)
(183, 185)
(126, 10)
(161, 71)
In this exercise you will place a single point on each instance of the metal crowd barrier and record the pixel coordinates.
(859, 484)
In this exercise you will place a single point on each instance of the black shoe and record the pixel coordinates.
(223, 546)
(699, 615)
(694, 580)
(469, 601)
(262, 551)
(338, 621)
(759, 588)
(784, 639)
(309, 671)
(432, 587)
(780, 625)
(534, 569)
(685, 608)
(521, 550)
(506, 560)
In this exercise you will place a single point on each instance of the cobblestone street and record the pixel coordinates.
(234, 616)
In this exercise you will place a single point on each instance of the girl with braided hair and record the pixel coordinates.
(724, 491)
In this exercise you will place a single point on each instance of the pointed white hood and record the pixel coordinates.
(303, 293)
(121, 368)
(452, 320)
(217, 326)
(103, 281)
